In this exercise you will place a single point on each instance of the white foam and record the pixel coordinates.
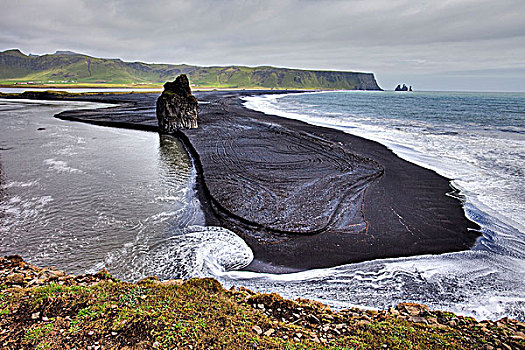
(198, 251)
(468, 283)
(61, 166)
(21, 184)
(486, 282)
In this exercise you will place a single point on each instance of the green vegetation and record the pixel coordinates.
(70, 68)
(200, 314)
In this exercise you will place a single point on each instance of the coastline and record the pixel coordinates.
(403, 190)
(452, 281)
(402, 200)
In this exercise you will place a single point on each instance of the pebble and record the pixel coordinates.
(313, 318)
(269, 332)
(417, 319)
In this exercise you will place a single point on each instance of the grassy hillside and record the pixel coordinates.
(66, 67)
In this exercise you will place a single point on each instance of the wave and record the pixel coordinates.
(484, 282)
(197, 251)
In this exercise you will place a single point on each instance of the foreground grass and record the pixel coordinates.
(200, 314)
(116, 314)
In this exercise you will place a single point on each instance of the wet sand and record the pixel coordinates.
(303, 196)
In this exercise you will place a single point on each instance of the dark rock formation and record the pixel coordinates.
(403, 88)
(177, 107)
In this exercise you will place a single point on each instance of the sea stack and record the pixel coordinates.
(177, 107)
(403, 88)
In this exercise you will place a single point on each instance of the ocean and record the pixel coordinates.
(84, 197)
(475, 139)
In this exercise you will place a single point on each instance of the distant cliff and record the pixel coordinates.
(66, 66)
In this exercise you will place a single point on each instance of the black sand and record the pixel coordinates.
(303, 196)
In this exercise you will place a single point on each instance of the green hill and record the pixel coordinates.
(70, 67)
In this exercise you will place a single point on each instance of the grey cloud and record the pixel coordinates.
(385, 36)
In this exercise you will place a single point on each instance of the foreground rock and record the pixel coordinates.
(45, 308)
(16, 273)
(177, 107)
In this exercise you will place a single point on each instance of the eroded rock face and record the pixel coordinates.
(177, 107)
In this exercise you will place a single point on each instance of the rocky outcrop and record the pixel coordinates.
(177, 107)
(403, 88)
(321, 325)
(16, 273)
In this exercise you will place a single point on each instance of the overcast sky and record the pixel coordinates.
(432, 45)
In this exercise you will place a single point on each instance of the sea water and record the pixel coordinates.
(475, 139)
(84, 197)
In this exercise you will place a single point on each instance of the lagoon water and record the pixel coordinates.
(83, 197)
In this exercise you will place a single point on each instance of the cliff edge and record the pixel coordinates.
(46, 308)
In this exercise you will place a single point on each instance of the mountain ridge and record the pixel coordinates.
(71, 67)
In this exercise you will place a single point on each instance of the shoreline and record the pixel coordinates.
(399, 149)
(386, 209)
(385, 227)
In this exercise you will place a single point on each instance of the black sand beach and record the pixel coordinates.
(303, 196)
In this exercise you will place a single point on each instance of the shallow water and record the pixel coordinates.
(83, 197)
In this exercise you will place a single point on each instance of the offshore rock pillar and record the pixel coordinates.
(177, 107)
